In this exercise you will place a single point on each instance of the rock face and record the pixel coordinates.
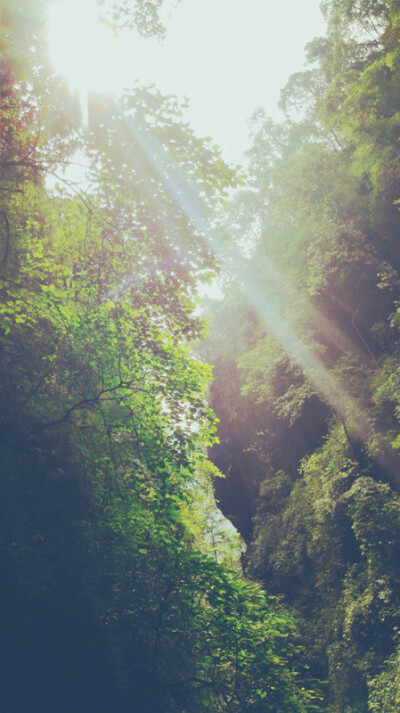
(246, 459)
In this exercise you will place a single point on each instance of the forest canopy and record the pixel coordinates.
(306, 355)
(122, 425)
(113, 595)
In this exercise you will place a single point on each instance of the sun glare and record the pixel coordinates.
(81, 47)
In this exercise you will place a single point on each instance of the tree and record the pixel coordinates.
(104, 422)
(312, 389)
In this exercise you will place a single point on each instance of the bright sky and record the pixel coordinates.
(226, 56)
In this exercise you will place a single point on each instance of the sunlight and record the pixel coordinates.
(81, 48)
(85, 52)
(261, 297)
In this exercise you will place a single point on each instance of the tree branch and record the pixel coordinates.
(81, 404)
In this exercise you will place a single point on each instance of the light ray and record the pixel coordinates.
(262, 299)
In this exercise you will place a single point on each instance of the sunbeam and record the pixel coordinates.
(262, 298)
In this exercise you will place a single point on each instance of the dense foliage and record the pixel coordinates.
(113, 597)
(306, 354)
(121, 586)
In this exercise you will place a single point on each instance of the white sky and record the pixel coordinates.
(227, 56)
(231, 56)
